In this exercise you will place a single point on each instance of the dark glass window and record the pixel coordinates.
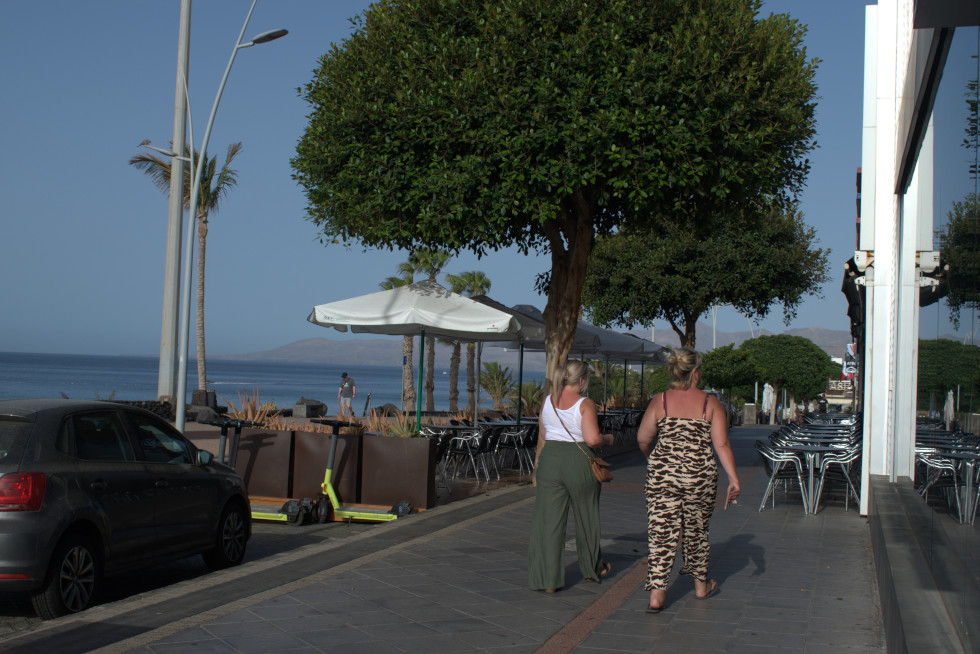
(159, 443)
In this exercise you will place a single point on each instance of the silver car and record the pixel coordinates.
(93, 488)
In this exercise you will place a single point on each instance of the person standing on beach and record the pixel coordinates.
(345, 394)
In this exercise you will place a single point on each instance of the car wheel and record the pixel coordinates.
(72, 579)
(230, 541)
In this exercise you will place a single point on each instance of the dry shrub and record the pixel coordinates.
(250, 408)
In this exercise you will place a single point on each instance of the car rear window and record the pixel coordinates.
(14, 433)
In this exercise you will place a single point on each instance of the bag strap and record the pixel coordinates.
(555, 407)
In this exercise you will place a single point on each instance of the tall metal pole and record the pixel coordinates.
(520, 384)
(418, 396)
(166, 377)
(185, 301)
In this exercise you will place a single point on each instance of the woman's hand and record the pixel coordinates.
(734, 489)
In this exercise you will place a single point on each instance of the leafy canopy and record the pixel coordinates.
(468, 125)
(637, 277)
(726, 367)
(793, 362)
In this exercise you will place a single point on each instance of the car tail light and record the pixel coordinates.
(22, 491)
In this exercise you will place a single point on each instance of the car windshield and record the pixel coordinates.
(14, 432)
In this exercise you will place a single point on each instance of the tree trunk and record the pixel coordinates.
(471, 378)
(571, 237)
(688, 335)
(690, 329)
(430, 365)
(454, 378)
(408, 383)
(202, 236)
(775, 403)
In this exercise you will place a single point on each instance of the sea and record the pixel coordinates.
(92, 377)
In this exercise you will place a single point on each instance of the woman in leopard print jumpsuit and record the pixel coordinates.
(679, 430)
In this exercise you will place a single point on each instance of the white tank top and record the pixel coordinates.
(572, 417)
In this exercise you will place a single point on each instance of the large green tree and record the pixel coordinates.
(215, 185)
(959, 245)
(540, 124)
(791, 362)
(946, 365)
(639, 276)
(725, 367)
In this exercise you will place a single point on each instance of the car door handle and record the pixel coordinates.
(99, 485)
(161, 483)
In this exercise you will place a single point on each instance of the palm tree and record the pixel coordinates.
(532, 397)
(215, 185)
(471, 283)
(408, 384)
(498, 382)
(430, 262)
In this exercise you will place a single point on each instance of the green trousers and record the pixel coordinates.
(563, 477)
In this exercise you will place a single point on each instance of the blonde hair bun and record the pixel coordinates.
(681, 365)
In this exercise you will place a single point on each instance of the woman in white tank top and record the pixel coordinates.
(568, 423)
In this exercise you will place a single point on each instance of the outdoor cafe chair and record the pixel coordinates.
(443, 441)
(463, 449)
(844, 462)
(782, 465)
(487, 450)
(939, 473)
(514, 441)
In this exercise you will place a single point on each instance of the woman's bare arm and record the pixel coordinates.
(723, 448)
(647, 432)
(590, 426)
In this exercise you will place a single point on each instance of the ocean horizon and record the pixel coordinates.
(134, 378)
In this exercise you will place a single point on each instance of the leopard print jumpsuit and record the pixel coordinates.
(682, 481)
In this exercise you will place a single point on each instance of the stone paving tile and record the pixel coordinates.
(739, 648)
(225, 630)
(290, 625)
(769, 638)
(684, 642)
(497, 638)
(819, 648)
(266, 643)
(700, 627)
(438, 644)
(841, 638)
(368, 618)
(197, 647)
(615, 643)
(774, 626)
(334, 637)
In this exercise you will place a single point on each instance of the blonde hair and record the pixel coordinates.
(569, 374)
(681, 365)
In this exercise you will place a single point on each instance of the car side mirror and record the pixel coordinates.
(204, 458)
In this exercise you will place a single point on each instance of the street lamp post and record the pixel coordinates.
(185, 300)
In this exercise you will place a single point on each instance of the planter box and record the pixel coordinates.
(265, 462)
(395, 469)
(311, 454)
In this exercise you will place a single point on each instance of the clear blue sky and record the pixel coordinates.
(82, 251)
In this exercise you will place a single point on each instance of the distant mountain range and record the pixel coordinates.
(388, 351)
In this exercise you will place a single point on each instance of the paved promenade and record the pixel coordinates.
(453, 579)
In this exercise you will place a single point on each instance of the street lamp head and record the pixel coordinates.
(271, 35)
